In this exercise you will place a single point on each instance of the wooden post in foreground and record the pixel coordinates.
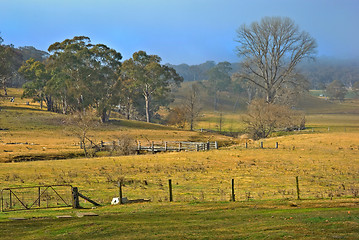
(170, 189)
(297, 183)
(153, 147)
(233, 195)
(75, 198)
(120, 191)
(261, 145)
(246, 144)
(39, 196)
(276, 145)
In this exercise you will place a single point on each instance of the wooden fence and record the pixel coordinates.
(162, 146)
(177, 146)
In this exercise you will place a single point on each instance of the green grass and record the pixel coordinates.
(240, 220)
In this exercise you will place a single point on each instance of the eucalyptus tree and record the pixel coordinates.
(270, 51)
(150, 78)
(38, 76)
(10, 61)
(88, 74)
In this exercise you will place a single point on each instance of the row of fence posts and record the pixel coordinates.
(76, 195)
(262, 146)
(233, 196)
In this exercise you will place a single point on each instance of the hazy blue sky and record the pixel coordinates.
(179, 31)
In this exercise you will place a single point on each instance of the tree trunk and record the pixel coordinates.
(128, 110)
(191, 122)
(105, 115)
(215, 101)
(49, 103)
(64, 106)
(147, 99)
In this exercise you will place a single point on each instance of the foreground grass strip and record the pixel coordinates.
(240, 220)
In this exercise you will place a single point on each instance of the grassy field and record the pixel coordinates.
(324, 157)
(223, 220)
(29, 132)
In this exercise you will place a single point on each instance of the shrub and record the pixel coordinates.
(263, 118)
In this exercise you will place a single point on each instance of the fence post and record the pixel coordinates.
(261, 145)
(75, 198)
(165, 146)
(197, 148)
(101, 143)
(246, 144)
(10, 200)
(39, 194)
(153, 147)
(120, 191)
(179, 146)
(297, 183)
(276, 144)
(139, 146)
(2, 201)
(207, 145)
(215, 145)
(170, 189)
(233, 195)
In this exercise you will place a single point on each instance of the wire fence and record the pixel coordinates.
(246, 188)
(185, 189)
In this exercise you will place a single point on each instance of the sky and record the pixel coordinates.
(179, 31)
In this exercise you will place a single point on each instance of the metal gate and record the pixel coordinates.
(37, 197)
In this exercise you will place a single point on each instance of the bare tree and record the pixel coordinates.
(187, 112)
(271, 49)
(80, 124)
(192, 105)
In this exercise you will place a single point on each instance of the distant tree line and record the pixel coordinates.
(319, 73)
(11, 59)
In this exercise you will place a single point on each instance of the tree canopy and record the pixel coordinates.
(150, 78)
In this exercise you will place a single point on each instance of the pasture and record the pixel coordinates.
(324, 157)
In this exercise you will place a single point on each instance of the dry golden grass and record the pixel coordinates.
(326, 162)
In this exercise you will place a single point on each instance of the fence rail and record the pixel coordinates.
(163, 146)
(177, 146)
